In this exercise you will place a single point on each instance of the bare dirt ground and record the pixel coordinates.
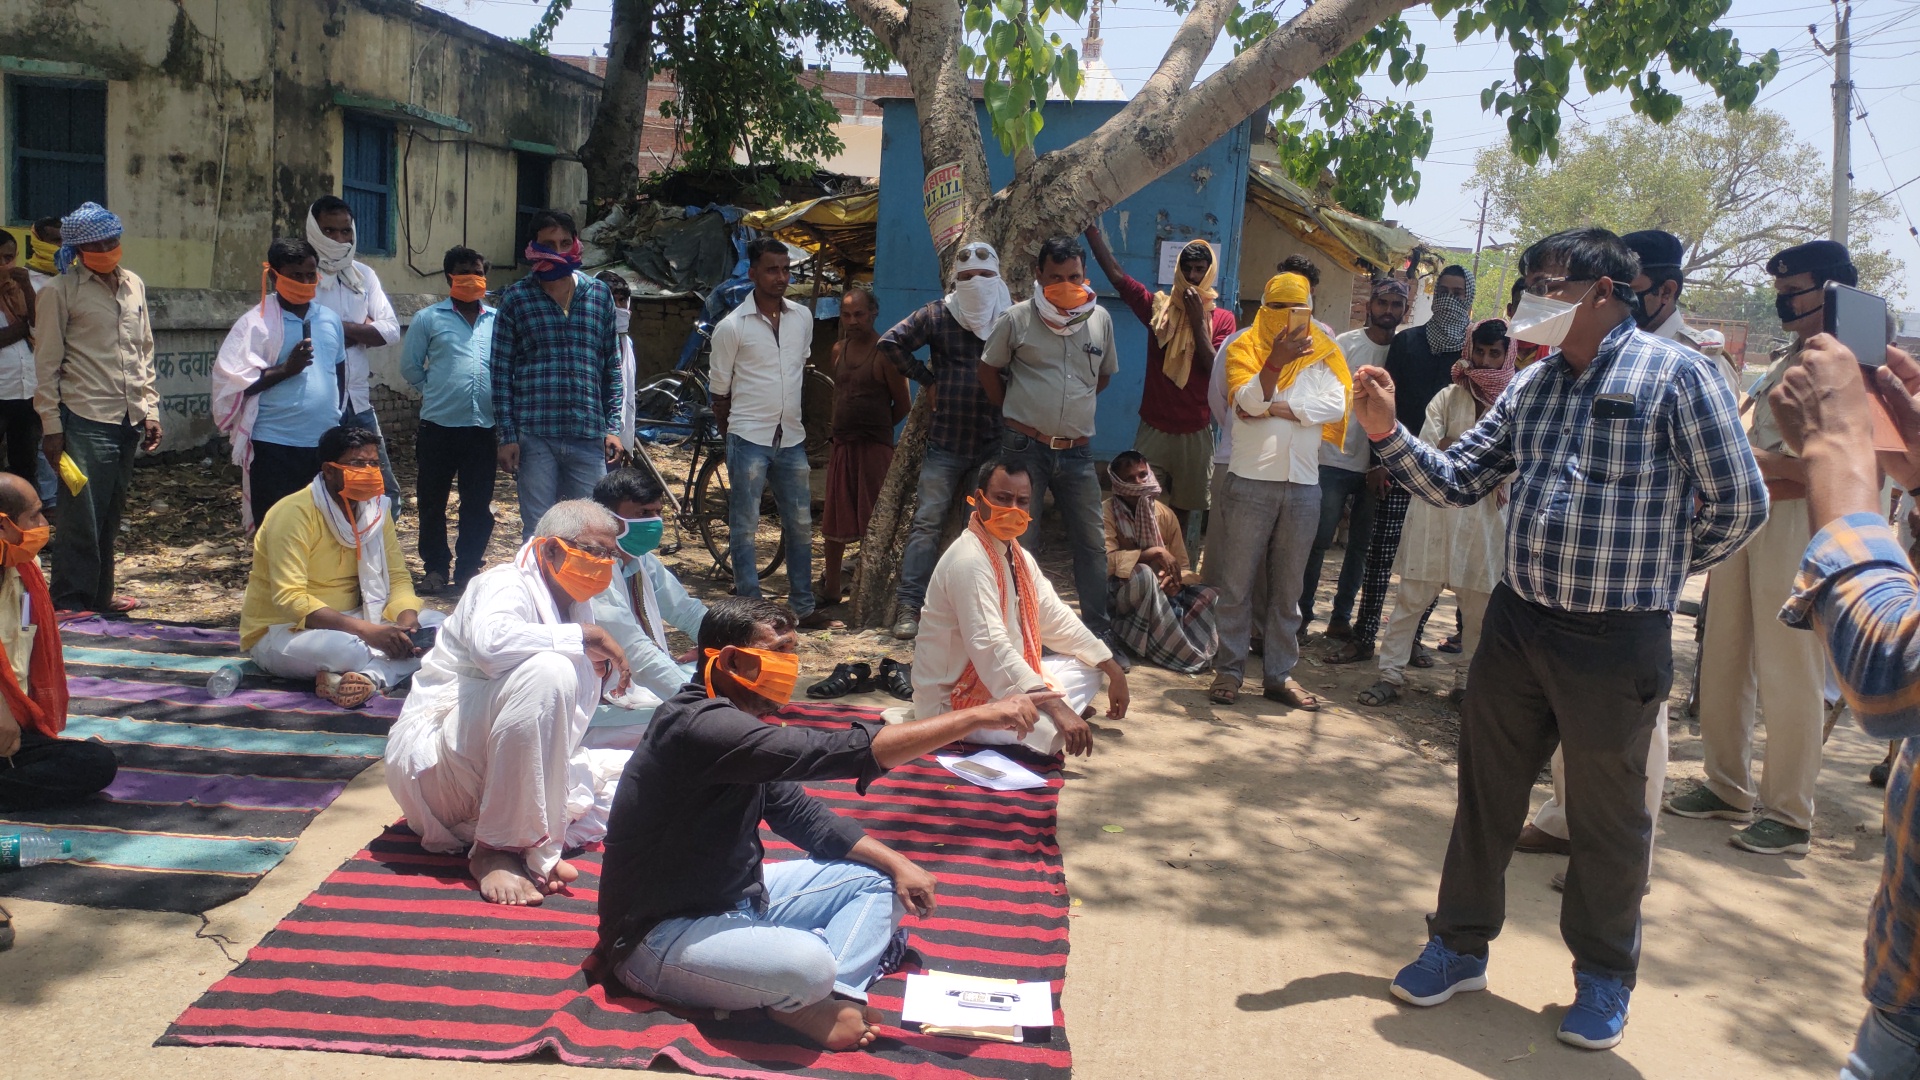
(1269, 877)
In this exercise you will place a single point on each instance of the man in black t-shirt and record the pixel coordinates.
(1420, 360)
(689, 915)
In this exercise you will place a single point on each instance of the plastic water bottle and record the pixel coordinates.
(21, 848)
(225, 681)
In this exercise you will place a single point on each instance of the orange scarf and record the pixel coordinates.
(969, 691)
(45, 707)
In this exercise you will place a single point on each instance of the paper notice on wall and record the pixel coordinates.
(945, 199)
(1170, 259)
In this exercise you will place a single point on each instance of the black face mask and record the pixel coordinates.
(1641, 318)
(1783, 305)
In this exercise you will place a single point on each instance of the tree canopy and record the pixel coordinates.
(1735, 187)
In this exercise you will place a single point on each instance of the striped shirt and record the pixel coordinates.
(1604, 511)
(1858, 591)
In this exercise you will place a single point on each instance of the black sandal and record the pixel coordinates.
(1379, 694)
(896, 678)
(1421, 658)
(846, 679)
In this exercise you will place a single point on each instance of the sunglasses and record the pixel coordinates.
(974, 252)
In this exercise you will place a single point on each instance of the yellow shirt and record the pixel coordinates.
(93, 349)
(299, 568)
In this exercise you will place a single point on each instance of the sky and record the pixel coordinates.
(1886, 153)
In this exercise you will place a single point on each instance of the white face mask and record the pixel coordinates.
(622, 318)
(1542, 320)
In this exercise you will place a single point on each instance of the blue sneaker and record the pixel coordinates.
(1439, 974)
(1598, 1017)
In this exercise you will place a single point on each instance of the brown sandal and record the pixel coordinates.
(1293, 694)
(1224, 691)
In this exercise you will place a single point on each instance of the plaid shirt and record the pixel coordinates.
(1603, 515)
(556, 376)
(1858, 591)
(964, 421)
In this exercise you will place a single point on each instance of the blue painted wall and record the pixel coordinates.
(1205, 198)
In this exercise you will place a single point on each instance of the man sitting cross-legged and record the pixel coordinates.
(644, 599)
(989, 611)
(329, 598)
(482, 757)
(37, 767)
(690, 915)
(1159, 612)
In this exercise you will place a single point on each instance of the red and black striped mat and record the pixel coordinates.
(396, 955)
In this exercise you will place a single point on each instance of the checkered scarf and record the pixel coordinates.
(1138, 525)
(90, 223)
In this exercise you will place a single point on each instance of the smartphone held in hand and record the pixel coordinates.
(1859, 320)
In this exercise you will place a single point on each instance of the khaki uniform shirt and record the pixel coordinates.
(94, 350)
(1053, 379)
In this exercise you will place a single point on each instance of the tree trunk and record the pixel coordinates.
(927, 44)
(611, 153)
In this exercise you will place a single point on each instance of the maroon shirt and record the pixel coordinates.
(1164, 406)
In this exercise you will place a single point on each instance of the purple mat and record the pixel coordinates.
(95, 624)
(173, 693)
(235, 792)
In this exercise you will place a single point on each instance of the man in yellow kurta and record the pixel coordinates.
(330, 598)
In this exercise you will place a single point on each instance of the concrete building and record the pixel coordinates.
(209, 125)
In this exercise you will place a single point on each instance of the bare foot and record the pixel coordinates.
(503, 877)
(562, 875)
(836, 1023)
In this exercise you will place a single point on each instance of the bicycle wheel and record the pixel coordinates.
(711, 501)
(665, 409)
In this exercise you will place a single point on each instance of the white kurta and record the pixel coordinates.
(1464, 547)
(964, 621)
(487, 747)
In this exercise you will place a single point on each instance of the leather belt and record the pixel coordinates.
(1054, 442)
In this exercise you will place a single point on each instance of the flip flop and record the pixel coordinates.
(1291, 693)
(348, 689)
(846, 679)
(1451, 645)
(120, 605)
(897, 678)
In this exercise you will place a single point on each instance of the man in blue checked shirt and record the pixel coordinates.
(448, 357)
(556, 374)
(1630, 472)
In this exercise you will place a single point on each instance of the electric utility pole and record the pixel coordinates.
(1842, 54)
(1480, 230)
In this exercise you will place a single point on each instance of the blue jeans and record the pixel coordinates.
(824, 929)
(371, 421)
(1338, 485)
(1069, 474)
(1887, 1048)
(944, 477)
(750, 467)
(555, 470)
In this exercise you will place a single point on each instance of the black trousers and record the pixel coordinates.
(1592, 684)
(22, 426)
(277, 472)
(448, 454)
(47, 771)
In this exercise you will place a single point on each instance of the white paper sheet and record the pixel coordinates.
(934, 998)
(991, 769)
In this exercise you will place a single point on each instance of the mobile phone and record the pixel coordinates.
(1613, 407)
(423, 637)
(1298, 319)
(1859, 320)
(974, 768)
(306, 330)
(977, 999)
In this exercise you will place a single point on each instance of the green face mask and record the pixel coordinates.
(642, 535)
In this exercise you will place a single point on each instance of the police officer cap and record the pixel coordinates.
(1657, 249)
(1821, 258)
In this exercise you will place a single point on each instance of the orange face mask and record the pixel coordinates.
(467, 288)
(101, 262)
(14, 552)
(1067, 295)
(294, 292)
(579, 575)
(1004, 523)
(778, 672)
(358, 482)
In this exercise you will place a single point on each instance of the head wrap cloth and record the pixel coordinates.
(88, 224)
(1248, 353)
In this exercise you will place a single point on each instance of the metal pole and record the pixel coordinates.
(1842, 118)
(1480, 231)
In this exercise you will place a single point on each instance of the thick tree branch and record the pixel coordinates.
(886, 19)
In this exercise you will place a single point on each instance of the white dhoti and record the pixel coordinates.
(303, 654)
(1078, 682)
